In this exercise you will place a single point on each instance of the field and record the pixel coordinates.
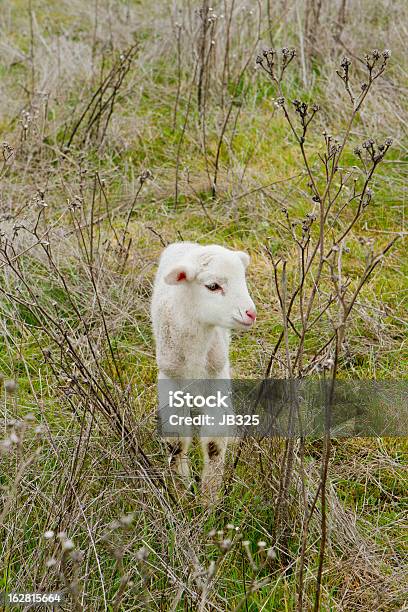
(278, 128)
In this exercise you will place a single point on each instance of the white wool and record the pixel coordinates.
(199, 295)
(192, 324)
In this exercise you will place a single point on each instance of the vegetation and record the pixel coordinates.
(127, 126)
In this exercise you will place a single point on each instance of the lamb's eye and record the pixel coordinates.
(214, 287)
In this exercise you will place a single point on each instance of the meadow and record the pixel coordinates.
(278, 128)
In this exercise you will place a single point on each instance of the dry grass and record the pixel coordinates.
(80, 237)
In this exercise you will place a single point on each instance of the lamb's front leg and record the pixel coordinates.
(214, 450)
(178, 458)
(215, 447)
(177, 445)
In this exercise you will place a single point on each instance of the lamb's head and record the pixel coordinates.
(214, 285)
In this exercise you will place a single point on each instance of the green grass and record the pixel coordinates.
(80, 485)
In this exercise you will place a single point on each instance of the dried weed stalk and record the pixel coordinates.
(339, 195)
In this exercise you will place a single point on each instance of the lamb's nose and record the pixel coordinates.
(251, 314)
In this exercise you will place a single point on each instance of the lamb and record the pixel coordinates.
(200, 294)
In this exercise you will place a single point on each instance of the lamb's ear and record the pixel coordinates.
(244, 257)
(180, 274)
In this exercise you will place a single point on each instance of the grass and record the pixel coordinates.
(76, 473)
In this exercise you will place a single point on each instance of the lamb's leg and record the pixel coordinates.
(178, 458)
(214, 450)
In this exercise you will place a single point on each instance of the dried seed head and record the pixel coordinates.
(386, 54)
(49, 534)
(288, 54)
(10, 386)
(280, 101)
(269, 51)
(127, 519)
(388, 142)
(225, 545)
(77, 556)
(142, 554)
(67, 545)
(145, 175)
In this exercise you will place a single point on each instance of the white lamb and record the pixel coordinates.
(200, 294)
